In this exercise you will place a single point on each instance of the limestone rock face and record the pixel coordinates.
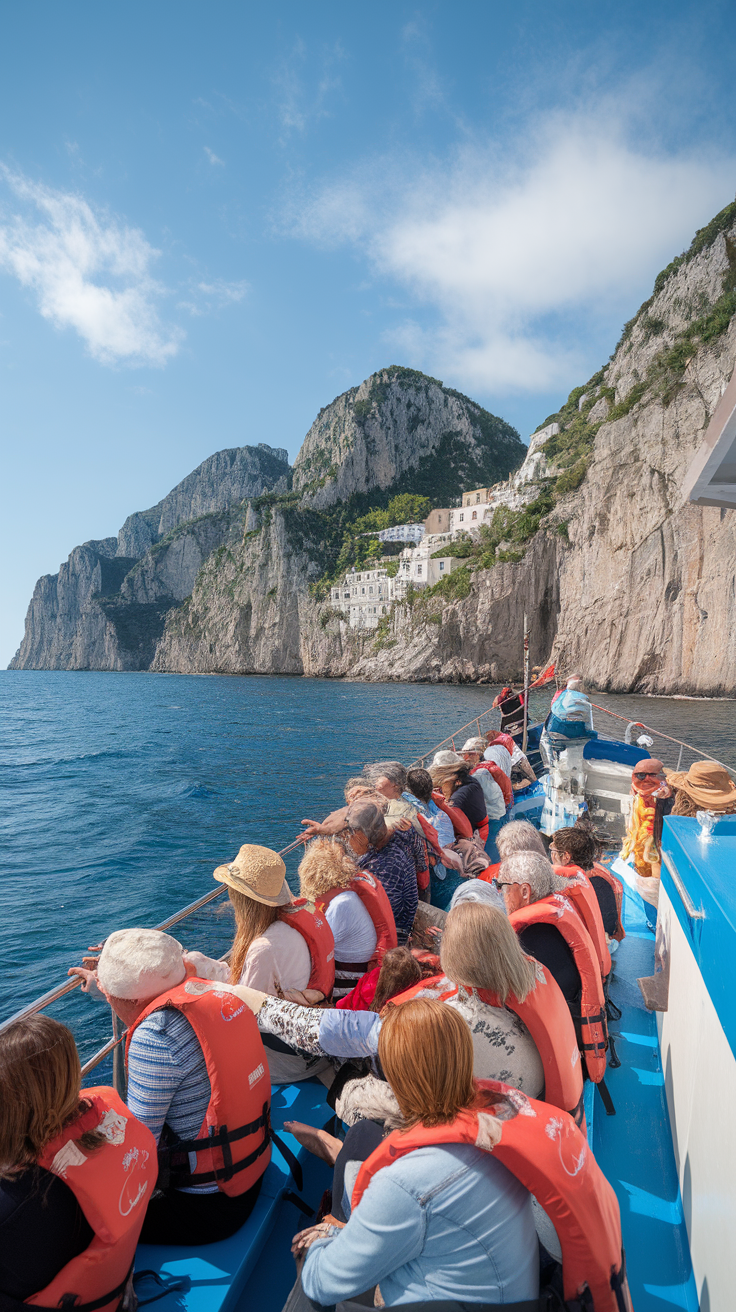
(107, 606)
(222, 480)
(383, 434)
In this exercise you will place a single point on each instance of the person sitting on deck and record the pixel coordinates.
(404, 1233)
(434, 1220)
(578, 849)
(551, 929)
(355, 788)
(516, 836)
(397, 860)
(706, 786)
(195, 1060)
(389, 779)
(499, 748)
(451, 776)
(357, 910)
(443, 872)
(496, 787)
(48, 1122)
(571, 714)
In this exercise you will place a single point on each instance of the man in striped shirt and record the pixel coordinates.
(398, 860)
(169, 1089)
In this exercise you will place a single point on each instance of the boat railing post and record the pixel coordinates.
(119, 1081)
(679, 759)
(526, 685)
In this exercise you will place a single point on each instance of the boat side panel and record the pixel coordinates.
(634, 1147)
(700, 1083)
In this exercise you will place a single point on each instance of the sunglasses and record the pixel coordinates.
(647, 774)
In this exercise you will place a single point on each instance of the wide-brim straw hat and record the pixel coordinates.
(258, 873)
(707, 783)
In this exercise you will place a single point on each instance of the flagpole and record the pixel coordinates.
(526, 684)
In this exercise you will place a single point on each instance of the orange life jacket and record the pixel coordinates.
(500, 777)
(430, 834)
(583, 897)
(460, 822)
(373, 896)
(233, 1146)
(490, 872)
(547, 1018)
(112, 1186)
(600, 872)
(547, 1153)
(589, 1014)
(303, 915)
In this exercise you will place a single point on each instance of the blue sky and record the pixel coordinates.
(215, 218)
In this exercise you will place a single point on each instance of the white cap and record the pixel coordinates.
(474, 745)
(448, 758)
(139, 964)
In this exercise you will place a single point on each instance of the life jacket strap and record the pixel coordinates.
(67, 1301)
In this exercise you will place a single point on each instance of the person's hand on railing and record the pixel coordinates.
(88, 978)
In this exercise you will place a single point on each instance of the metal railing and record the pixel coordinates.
(647, 729)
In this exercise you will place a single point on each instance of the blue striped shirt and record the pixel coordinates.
(168, 1080)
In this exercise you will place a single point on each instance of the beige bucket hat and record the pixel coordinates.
(258, 873)
(707, 783)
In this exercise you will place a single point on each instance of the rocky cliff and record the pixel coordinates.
(591, 536)
(107, 606)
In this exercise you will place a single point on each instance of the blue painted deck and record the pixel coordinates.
(219, 1273)
(634, 1148)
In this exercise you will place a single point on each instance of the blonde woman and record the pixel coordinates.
(355, 906)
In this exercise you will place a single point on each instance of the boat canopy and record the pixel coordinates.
(711, 478)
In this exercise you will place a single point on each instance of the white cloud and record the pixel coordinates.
(207, 297)
(212, 157)
(89, 272)
(497, 244)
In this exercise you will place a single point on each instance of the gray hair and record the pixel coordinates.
(366, 817)
(529, 868)
(480, 948)
(519, 836)
(394, 771)
(478, 890)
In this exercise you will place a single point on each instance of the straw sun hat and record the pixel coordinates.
(707, 783)
(258, 873)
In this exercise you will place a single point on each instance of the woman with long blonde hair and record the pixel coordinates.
(326, 873)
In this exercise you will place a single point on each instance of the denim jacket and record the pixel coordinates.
(444, 1222)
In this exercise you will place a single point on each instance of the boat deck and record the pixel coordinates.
(634, 1147)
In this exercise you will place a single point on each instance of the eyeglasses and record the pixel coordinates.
(509, 883)
(647, 774)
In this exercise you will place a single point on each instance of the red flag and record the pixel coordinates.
(544, 677)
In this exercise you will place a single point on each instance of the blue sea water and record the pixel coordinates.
(122, 792)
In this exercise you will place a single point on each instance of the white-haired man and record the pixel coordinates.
(487, 773)
(549, 928)
(197, 1077)
(526, 877)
